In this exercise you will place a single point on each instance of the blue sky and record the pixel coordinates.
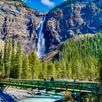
(42, 5)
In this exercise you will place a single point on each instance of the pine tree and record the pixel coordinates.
(18, 64)
(100, 67)
(1, 65)
(25, 68)
(34, 65)
(7, 58)
(54, 71)
(43, 71)
(13, 61)
(58, 70)
(50, 67)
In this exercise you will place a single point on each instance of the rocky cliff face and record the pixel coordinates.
(17, 20)
(68, 20)
(63, 22)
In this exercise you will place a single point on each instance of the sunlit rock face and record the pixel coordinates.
(67, 21)
(18, 20)
(61, 23)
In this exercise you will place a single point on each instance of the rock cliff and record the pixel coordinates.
(71, 19)
(62, 22)
(16, 19)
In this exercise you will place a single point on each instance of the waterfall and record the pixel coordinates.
(41, 39)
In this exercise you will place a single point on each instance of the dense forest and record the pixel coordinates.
(79, 58)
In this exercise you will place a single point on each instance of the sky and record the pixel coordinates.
(43, 5)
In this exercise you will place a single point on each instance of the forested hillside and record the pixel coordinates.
(78, 58)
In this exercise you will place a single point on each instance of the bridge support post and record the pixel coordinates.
(46, 86)
(2, 87)
(99, 98)
(77, 96)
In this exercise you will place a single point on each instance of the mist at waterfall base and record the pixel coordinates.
(41, 39)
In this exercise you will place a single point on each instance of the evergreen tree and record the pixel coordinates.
(54, 71)
(34, 65)
(1, 65)
(100, 67)
(25, 68)
(13, 61)
(50, 70)
(7, 58)
(58, 70)
(43, 71)
(18, 59)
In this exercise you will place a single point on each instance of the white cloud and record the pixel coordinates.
(48, 3)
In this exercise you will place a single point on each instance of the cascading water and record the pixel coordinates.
(41, 39)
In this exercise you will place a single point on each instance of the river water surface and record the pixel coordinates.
(53, 98)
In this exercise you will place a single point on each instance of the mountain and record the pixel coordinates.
(44, 32)
(17, 20)
(71, 19)
(67, 37)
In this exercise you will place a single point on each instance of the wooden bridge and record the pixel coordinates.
(57, 86)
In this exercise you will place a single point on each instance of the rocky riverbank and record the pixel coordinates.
(19, 93)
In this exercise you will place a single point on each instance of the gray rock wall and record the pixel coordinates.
(66, 21)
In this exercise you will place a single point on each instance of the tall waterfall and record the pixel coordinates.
(41, 39)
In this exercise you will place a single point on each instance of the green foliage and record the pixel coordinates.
(57, 10)
(18, 65)
(50, 70)
(100, 67)
(1, 64)
(13, 61)
(25, 68)
(7, 58)
(79, 57)
(15, 64)
(43, 71)
(34, 65)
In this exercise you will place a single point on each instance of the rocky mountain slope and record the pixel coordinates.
(16, 19)
(61, 23)
(71, 19)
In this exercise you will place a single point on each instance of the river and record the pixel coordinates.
(53, 98)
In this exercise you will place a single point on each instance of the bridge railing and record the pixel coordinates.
(90, 87)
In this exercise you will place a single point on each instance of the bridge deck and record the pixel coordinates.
(58, 86)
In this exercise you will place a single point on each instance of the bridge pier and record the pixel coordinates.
(99, 98)
(2, 87)
(77, 96)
